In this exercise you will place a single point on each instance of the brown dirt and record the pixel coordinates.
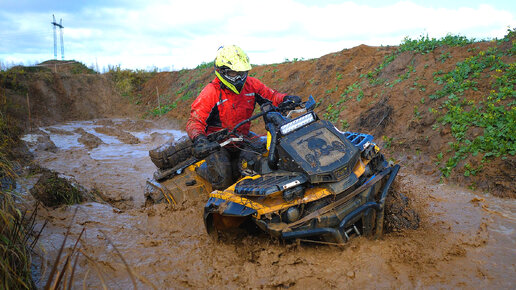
(60, 97)
(53, 190)
(387, 111)
(123, 136)
(89, 140)
(466, 238)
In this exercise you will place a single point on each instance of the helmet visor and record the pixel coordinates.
(235, 76)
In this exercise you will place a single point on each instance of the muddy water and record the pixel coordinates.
(466, 240)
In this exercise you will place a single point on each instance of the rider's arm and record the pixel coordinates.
(265, 92)
(201, 109)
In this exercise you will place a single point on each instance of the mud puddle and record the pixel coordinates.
(107, 155)
(466, 239)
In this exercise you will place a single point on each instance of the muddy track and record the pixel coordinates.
(466, 239)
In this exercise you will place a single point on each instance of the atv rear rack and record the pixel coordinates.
(358, 139)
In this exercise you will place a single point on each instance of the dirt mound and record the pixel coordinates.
(399, 213)
(123, 136)
(89, 140)
(42, 142)
(375, 119)
(52, 189)
(66, 67)
(44, 97)
(396, 94)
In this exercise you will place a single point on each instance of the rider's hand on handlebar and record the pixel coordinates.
(203, 147)
(290, 102)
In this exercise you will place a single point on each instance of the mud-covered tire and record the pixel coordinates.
(316, 205)
(170, 154)
(399, 215)
(183, 151)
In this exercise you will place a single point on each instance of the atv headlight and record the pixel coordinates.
(297, 123)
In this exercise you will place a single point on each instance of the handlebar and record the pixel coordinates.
(266, 108)
(298, 111)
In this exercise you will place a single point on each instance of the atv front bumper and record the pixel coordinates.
(339, 229)
(338, 225)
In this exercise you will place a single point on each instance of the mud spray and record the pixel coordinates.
(466, 239)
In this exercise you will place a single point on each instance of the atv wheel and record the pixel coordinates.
(316, 205)
(171, 154)
(398, 213)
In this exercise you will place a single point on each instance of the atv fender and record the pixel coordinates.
(221, 214)
(186, 186)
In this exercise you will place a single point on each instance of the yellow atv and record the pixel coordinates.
(313, 182)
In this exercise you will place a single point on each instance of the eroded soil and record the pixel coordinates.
(466, 239)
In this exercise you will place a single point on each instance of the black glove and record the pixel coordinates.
(290, 102)
(203, 147)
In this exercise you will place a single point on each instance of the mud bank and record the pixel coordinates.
(466, 239)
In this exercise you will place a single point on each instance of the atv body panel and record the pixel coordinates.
(318, 150)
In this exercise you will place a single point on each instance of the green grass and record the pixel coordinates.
(129, 82)
(16, 228)
(53, 190)
(494, 114)
(16, 244)
(159, 111)
(424, 44)
(205, 65)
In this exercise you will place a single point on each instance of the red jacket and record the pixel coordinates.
(216, 108)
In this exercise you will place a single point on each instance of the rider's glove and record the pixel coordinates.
(290, 102)
(203, 147)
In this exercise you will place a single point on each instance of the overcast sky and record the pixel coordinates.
(171, 35)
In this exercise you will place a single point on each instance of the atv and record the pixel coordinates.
(310, 182)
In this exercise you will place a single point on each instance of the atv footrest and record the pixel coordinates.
(268, 184)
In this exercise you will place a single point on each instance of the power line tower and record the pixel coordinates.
(60, 25)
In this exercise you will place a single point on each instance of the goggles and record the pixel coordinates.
(235, 75)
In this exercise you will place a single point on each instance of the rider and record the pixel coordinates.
(229, 99)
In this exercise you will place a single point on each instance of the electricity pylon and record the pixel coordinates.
(60, 25)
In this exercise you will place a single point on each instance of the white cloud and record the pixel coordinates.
(186, 33)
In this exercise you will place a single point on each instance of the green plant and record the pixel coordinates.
(443, 57)
(387, 141)
(159, 111)
(344, 124)
(295, 59)
(494, 114)
(351, 88)
(128, 82)
(205, 65)
(360, 95)
(16, 244)
(417, 113)
(16, 227)
(425, 44)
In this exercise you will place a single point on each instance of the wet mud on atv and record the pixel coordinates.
(313, 183)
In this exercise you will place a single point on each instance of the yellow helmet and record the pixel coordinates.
(231, 67)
